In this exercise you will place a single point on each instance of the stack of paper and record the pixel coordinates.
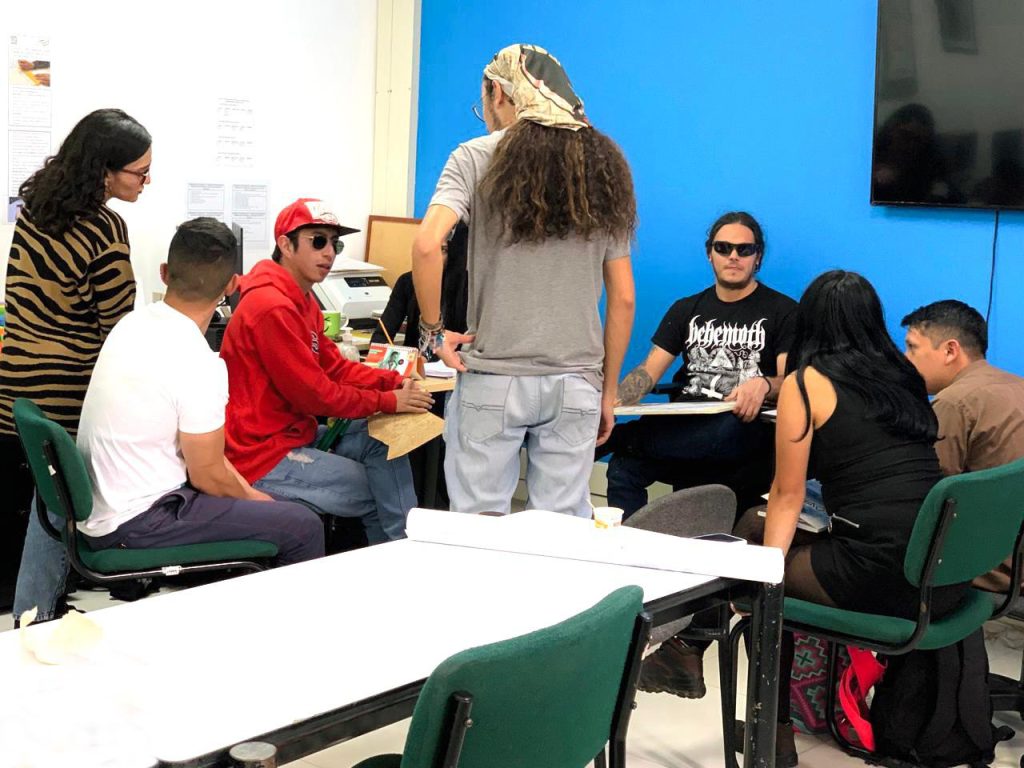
(439, 370)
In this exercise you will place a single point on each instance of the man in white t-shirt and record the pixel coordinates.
(152, 427)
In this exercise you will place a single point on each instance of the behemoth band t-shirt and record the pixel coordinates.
(723, 344)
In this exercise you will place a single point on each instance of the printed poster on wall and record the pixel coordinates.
(241, 203)
(236, 133)
(29, 110)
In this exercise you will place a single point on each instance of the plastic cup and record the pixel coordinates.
(607, 517)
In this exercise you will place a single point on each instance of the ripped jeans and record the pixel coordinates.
(355, 480)
(487, 420)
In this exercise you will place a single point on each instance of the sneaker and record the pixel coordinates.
(675, 668)
(785, 744)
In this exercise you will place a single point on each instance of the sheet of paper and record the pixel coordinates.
(348, 264)
(536, 532)
(674, 409)
(249, 211)
(403, 432)
(236, 133)
(206, 199)
(29, 112)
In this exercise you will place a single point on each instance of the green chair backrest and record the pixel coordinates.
(34, 430)
(542, 700)
(989, 513)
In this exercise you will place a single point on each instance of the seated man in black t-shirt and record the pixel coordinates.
(732, 338)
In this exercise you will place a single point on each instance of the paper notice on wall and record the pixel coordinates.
(26, 151)
(206, 199)
(29, 112)
(236, 133)
(249, 211)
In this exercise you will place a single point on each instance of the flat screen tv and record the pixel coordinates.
(949, 104)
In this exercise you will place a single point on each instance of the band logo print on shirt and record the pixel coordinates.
(722, 356)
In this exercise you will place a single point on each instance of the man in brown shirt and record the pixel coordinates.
(980, 407)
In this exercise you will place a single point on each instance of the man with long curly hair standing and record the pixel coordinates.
(551, 212)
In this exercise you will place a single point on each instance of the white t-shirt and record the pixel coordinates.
(155, 376)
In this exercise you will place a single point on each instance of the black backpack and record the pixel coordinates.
(932, 708)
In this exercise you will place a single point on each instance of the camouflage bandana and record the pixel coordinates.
(538, 86)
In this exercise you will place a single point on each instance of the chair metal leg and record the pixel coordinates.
(599, 760)
(730, 647)
(627, 693)
(727, 685)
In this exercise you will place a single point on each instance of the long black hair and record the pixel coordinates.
(840, 332)
(71, 184)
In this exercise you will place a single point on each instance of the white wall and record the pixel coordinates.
(307, 65)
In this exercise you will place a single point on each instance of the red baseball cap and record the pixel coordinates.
(305, 212)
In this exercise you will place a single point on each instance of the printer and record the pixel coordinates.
(356, 289)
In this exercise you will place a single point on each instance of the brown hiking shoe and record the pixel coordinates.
(785, 744)
(674, 668)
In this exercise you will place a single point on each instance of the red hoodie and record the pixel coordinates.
(283, 373)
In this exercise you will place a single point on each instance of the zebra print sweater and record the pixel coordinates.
(64, 295)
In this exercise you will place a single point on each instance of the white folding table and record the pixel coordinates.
(313, 654)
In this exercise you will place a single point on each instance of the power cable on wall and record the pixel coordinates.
(992, 271)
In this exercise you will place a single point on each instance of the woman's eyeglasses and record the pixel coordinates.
(143, 175)
(320, 242)
(724, 248)
(478, 111)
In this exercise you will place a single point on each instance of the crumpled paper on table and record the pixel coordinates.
(72, 634)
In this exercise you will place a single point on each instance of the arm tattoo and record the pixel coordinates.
(637, 384)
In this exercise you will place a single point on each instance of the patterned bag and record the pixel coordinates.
(808, 691)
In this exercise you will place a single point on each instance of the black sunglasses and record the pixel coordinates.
(320, 242)
(724, 248)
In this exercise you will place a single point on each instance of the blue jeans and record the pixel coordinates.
(657, 448)
(355, 480)
(44, 569)
(486, 421)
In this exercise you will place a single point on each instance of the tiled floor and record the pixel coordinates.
(668, 732)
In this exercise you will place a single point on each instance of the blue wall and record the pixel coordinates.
(732, 104)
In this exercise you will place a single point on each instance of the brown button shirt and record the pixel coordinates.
(981, 425)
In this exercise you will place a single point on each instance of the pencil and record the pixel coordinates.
(386, 334)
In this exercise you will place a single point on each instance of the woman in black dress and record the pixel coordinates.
(854, 413)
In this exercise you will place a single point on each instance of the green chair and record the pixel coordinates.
(967, 525)
(549, 699)
(63, 487)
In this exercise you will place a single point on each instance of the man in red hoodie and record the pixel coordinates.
(283, 373)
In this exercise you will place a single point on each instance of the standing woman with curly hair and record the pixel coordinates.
(551, 212)
(69, 280)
